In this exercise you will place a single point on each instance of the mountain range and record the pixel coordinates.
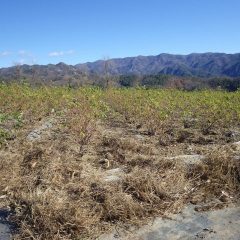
(195, 64)
(203, 65)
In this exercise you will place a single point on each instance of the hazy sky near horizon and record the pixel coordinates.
(76, 31)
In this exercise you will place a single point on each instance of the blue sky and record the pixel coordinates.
(75, 31)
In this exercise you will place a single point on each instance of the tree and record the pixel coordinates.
(17, 67)
(67, 79)
(107, 77)
(106, 72)
(129, 80)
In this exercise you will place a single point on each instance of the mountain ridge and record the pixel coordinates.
(194, 64)
(201, 65)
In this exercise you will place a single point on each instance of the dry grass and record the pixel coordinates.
(57, 196)
(56, 192)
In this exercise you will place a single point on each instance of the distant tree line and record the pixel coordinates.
(148, 81)
(185, 83)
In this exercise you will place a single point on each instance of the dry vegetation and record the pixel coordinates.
(59, 145)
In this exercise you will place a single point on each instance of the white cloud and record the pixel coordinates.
(5, 53)
(55, 54)
(70, 52)
(25, 57)
(19, 62)
(22, 61)
(34, 61)
(24, 53)
(60, 53)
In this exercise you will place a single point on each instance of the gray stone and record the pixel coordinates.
(5, 229)
(5, 233)
(112, 178)
(215, 225)
(113, 175)
(37, 133)
(188, 159)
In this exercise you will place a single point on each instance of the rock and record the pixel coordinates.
(112, 178)
(5, 233)
(218, 224)
(113, 175)
(5, 226)
(188, 159)
(37, 133)
(34, 135)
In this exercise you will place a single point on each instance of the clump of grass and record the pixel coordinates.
(222, 171)
(4, 135)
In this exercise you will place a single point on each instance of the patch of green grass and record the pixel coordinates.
(4, 135)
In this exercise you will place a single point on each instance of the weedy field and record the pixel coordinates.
(76, 163)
